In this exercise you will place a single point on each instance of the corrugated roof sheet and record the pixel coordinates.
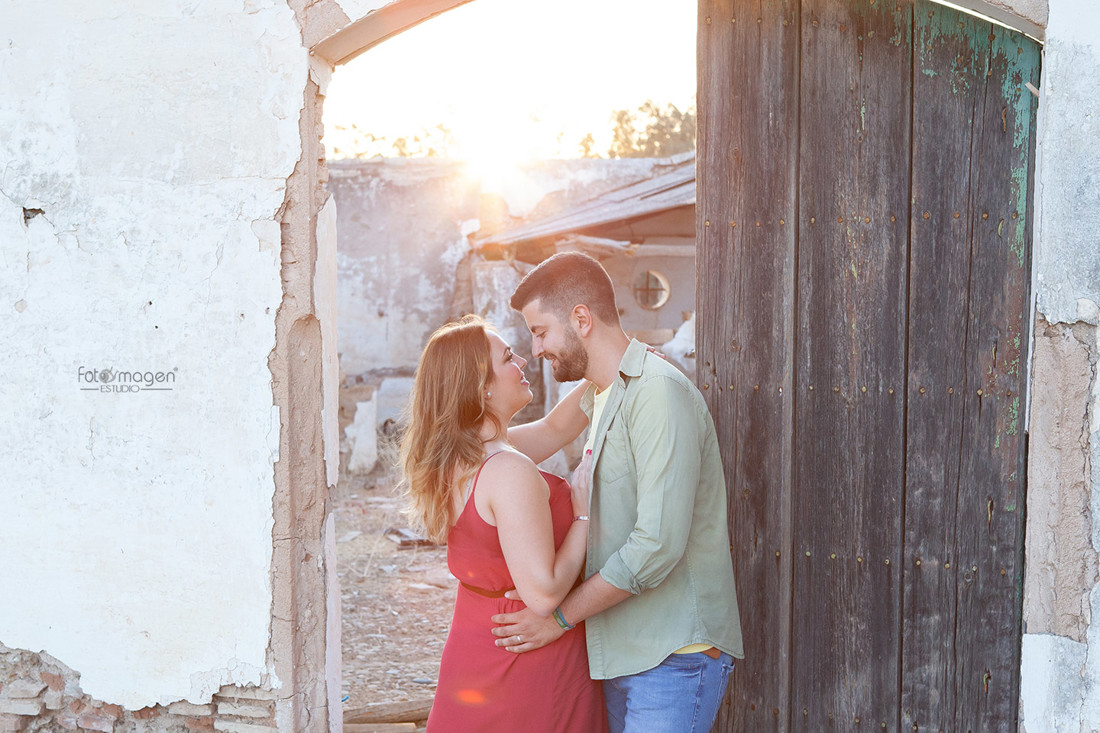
(669, 190)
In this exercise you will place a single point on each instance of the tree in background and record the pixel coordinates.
(433, 142)
(650, 132)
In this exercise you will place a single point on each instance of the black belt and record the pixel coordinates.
(485, 592)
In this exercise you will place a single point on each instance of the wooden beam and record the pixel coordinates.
(409, 711)
(377, 26)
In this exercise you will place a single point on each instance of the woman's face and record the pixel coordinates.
(509, 389)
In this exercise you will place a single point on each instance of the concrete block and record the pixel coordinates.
(362, 435)
(186, 708)
(21, 707)
(244, 709)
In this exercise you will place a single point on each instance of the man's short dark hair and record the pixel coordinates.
(566, 280)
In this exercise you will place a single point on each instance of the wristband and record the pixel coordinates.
(561, 620)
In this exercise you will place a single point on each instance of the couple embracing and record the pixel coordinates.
(644, 638)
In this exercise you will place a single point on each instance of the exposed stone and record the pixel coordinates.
(231, 727)
(21, 707)
(187, 708)
(23, 689)
(53, 700)
(250, 693)
(10, 722)
(199, 723)
(94, 720)
(245, 710)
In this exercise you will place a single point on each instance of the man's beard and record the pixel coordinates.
(571, 364)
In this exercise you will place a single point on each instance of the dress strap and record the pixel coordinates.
(473, 481)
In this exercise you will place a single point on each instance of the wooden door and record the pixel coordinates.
(863, 274)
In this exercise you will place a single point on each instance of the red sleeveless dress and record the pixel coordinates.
(484, 688)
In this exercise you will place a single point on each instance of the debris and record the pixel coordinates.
(406, 538)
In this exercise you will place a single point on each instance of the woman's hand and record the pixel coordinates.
(579, 485)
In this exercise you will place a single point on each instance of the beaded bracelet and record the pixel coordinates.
(561, 620)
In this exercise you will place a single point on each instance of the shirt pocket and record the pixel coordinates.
(616, 462)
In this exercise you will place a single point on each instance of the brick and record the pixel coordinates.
(23, 689)
(146, 713)
(186, 708)
(91, 720)
(199, 723)
(53, 681)
(66, 721)
(21, 707)
(77, 705)
(247, 693)
(227, 726)
(10, 722)
(244, 710)
(111, 710)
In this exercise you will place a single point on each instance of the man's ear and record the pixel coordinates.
(582, 319)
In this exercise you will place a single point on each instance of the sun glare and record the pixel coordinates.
(500, 83)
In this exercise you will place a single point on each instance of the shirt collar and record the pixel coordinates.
(631, 363)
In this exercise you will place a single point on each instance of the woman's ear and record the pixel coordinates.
(582, 319)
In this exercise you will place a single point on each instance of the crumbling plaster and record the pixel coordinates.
(1060, 665)
(157, 250)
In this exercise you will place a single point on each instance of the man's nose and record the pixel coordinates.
(536, 349)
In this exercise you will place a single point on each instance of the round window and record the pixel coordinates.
(651, 290)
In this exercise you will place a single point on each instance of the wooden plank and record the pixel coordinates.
(948, 83)
(989, 540)
(849, 410)
(407, 711)
(747, 148)
(380, 728)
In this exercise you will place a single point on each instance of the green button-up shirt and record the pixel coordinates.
(658, 521)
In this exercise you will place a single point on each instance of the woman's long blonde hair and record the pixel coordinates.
(442, 445)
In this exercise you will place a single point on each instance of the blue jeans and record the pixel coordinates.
(680, 694)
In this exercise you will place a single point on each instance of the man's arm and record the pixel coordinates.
(542, 438)
(526, 631)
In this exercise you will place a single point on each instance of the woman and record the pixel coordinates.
(507, 525)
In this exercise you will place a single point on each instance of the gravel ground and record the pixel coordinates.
(396, 603)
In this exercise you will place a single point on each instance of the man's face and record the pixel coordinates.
(556, 341)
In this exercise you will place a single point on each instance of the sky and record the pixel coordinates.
(518, 80)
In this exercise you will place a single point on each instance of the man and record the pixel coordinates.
(659, 604)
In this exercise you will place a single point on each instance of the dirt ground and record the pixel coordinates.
(396, 603)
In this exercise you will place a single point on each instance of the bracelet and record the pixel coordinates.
(580, 517)
(561, 620)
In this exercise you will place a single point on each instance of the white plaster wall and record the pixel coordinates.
(1060, 677)
(356, 9)
(136, 528)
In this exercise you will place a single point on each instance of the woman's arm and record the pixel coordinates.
(543, 438)
(512, 495)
